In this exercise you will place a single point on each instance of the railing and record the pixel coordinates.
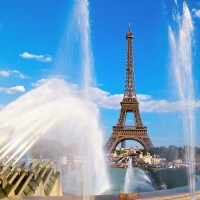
(130, 127)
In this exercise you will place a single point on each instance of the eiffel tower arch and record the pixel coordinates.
(122, 132)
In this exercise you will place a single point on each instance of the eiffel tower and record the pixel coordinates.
(129, 104)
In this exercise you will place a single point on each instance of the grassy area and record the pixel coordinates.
(119, 152)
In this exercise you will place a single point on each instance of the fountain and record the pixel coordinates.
(129, 177)
(48, 115)
(181, 41)
(57, 109)
(68, 176)
(181, 37)
(136, 180)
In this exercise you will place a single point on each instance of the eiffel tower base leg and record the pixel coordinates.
(120, 134)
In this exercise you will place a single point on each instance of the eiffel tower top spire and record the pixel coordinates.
(129, 88)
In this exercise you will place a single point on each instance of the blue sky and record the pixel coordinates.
(31, 35)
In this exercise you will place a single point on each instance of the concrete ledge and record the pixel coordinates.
(135, 196)
(163, 196)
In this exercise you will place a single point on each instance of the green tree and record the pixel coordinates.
(144, 152)
(121, 152)
(181, 152)
(161, 151)
(172, 153)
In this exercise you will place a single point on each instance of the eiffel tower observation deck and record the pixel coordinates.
(129, 104)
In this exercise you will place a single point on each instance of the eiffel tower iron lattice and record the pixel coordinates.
(121, 132)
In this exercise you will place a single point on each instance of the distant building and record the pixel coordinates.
(157, 161)
(148, 158)
(133, 152)
(63, 160)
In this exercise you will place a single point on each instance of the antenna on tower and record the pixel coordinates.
(129, 27)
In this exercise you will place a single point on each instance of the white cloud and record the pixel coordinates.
(22, 76)
(41, 58)
(9, 72)
(163, 106)
(1, 107)
(13, 90)
(143, 97)
(42, 82)
(57, 76)
(105, 100)
(4, 73)
(19, 74)
(196, 12)
(16, 71)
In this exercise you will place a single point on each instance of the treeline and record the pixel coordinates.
(173, 153)
(49, 149)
